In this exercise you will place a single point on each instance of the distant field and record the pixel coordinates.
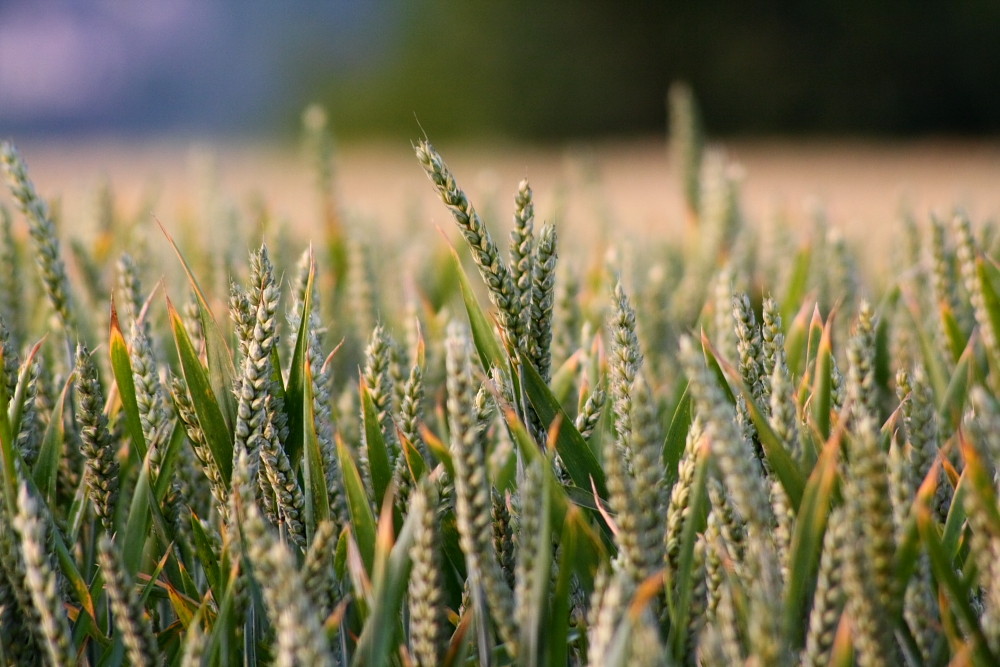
(861, 185)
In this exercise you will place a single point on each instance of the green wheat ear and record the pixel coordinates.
(494, 271)
(572, 480)
(96, 442)
(686, 143)
(48, 255)
(42, 579)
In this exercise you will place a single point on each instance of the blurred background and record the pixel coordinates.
(529, 71)
(865, 107)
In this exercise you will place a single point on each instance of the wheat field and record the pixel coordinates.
(633, 404)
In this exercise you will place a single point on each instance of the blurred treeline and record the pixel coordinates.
(558, 69)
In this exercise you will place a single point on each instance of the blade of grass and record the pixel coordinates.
(46, 469)
(358, 505)
(991, 302)
(491, 352)
(297, 376)
(220, 360)
(928, 351)
(957, 593)
(218, 434)
(576, 456)
(956, 338)
(439, 449)
(10, 419)
(782, 463)
(588, 548)
(378, 454)
(822, 394)
(798, 283)
(209, 559)
(955, 395)
(392, 571)
(797, 340)
(317, 499)
(807, 539)
(121, 367)
(557, 631)
(673, 444)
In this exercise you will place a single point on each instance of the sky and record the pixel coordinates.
(558, 69)
(163, 66)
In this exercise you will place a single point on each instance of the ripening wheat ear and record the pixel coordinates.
(870, 546)
(472, 491)
(129, 615)
(862, 391)
(18, 617)
(43, 235)
(494, 271)
(11, 307)
(42, 579)
(732, 453)
(185, 411)
(300, 636)
(542, 299)
(426, 587)
(522, 248)
(261, 337)
(96, 444)
(626, 360)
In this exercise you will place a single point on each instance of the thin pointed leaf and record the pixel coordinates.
(953, 401)
(564, 379)
(954, 524)
(209, 559)
(822, 394)
(807, 539)
(576, 456)
(140, 517)
(121, 366)
(46, 470)
(714, 363)
(439, 449)
(557, 632)
(491, 352)
(781, 462)
(374, 647)
(414, 459)
(882, 362)
(991, 302)
(929, 352)
(797, 340)
(10, 419)
(560, 500)
(798, 283)
(981, 483)
(956, 338)
(957, 592)
(379, 464)
(362, 519)
(673, 444)
(295, 400)
(317, 499)
(222, 373)
(210, 415)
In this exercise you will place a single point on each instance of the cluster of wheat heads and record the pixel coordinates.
(703, 453)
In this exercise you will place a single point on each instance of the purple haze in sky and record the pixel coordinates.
(167, 66)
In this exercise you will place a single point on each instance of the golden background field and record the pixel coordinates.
(862, 186)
